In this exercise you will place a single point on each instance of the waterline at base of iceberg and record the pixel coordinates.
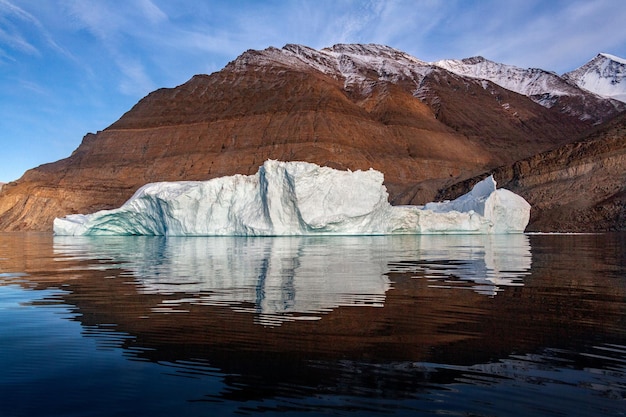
(297, 198)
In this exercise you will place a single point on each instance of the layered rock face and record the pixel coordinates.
(580, 186)
(347, 107)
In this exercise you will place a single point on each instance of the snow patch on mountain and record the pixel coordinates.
(541, 86)
(605, 75)
(361, 66)
(614, 58)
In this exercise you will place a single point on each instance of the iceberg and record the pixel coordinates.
(297, 198)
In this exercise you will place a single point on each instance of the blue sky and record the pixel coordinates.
(69, 67)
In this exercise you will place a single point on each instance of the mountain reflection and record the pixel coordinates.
(299, 278)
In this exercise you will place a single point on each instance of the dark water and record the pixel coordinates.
(405, 325)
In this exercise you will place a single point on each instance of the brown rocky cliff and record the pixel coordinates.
(422, 130)
(578, 187)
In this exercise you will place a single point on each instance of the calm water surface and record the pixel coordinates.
(403, 325)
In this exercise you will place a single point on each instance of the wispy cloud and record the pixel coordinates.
(555, 35)
(34, 87)
(10, 34)
(118, 30)
(136, 82)
(15, 41)
(150, 11)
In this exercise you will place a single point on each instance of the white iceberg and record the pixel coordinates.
(297, 198)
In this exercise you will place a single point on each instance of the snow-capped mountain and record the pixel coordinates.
(363, 66)
(532, 82)
(604, 75)
(543, 87)
(359, 65)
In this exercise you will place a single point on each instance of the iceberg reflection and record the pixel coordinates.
(489, 262)
(299, 278)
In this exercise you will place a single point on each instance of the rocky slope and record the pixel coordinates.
(349, 106)
(580, 186)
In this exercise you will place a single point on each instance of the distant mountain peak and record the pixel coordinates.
(531, 82)
(360, 66)
(604, 75)
(475, 60)
(613, 58)
(361, 49)
(544, 87)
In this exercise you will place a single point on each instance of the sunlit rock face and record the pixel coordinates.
(297, 198)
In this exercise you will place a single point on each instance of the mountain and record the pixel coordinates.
(547, 88)
(347, 107)
(604, 75)
(580, 186)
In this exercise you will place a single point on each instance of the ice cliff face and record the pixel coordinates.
(604, 75)
(297, 198)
